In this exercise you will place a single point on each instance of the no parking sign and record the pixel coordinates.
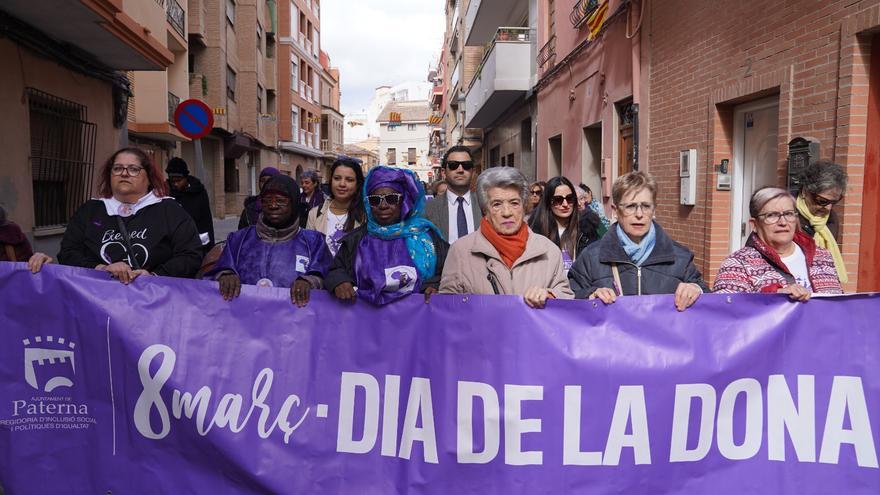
(194, 119)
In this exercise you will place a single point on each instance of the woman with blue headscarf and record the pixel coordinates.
(398, 252)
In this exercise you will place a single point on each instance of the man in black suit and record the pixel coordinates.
(456, 212)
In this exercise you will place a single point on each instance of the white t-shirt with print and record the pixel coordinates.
(335, 231)
(797, 265)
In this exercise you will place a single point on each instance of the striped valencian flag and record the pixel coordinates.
(597, 19)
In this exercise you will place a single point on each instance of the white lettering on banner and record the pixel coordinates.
(467, 392)
(419, 407)
(227, 414)
(847, 398)
(681, 420)
(630, 408)
(754, 419)
(515, 426)
(571, 431)
(799, 421)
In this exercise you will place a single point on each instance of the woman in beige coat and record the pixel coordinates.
(504, 256)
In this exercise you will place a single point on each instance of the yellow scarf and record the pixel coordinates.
(823, 237)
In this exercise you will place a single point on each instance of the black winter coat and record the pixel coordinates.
(669, 264)
(194, 200)
(342, 269)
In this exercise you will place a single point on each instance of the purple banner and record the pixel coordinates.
(163, 387)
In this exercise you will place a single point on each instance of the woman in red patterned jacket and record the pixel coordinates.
(778, 256)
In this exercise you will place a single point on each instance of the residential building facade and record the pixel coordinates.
(753, 84)
(332, 121)
(460, 65)
(403, 136)
(56, 135)
(499, 98)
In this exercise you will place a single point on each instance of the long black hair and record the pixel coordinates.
(544, 222)
(356, 212)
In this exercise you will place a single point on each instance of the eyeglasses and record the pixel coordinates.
(536, 192)
(823, 202)
(774, 216)
(451, 165)
(558, 200)
(390, 199)
(630, 208)
(133, 170)
(279, 201)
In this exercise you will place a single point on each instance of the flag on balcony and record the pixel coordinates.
(435, 119)
(394, 117)
(597, 19)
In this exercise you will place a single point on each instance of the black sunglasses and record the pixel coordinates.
(557, 200)
(451, 165)
(391, 199)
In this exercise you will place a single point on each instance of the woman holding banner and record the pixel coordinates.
(778, 257)
(276, 252)
(636, 256)
(398, 252)
(133, 229)
(504, 256)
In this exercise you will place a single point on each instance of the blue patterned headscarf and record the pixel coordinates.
(413, 227)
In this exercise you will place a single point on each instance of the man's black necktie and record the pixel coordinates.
(462, 219)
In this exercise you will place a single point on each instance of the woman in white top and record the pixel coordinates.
(343, 211)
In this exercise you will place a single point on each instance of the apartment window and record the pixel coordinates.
(411, 156)
(230, 83)
(270, 102)
(410, 127)
(294, 123)
(391, 127)
(259, 100)
(230, 12)
(62, 156)
(495, 157)
(294, 75)
(259, 37)
(391, 156)
(270, 47)
(510, 160)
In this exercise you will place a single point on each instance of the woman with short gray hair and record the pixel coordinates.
(503, 256)
(778, 257)
(823, 184)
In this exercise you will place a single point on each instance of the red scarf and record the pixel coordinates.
(510, 247)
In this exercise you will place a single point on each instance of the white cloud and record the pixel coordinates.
(380, 42)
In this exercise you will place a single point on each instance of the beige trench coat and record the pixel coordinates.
(472, 259)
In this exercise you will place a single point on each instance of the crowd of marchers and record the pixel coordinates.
(379, 238)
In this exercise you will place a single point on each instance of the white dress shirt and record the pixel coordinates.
(452, 203)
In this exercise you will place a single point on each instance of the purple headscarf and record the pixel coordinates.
(399, 181)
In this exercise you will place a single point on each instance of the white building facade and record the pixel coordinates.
(403, 136)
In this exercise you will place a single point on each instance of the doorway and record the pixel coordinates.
(869, 240)
(591, 158)
(554, 156)
(755, 154)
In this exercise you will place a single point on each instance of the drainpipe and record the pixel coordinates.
(633, 33)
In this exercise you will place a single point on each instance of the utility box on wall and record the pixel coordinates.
(687, 172)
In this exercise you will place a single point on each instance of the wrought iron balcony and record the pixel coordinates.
(581, 11)
(176, 17)
(173, 101)
(548, 51)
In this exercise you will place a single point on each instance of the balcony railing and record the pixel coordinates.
(302, 137)
(325, 145)
(309, 94)
(503, 34)
(176, 17)
(548, 51)
(173, 101)
(302, 89)
(581, 11)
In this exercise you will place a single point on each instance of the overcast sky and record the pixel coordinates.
(380, 42)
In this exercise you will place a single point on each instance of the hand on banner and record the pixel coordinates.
(686, 295)
(345, 291)
(137, 273)
(299, 292)
(604, 294)
(120, 271)
(38, 260)
(230, 286)
(536, 297)
(430, 291)
(796, 292)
